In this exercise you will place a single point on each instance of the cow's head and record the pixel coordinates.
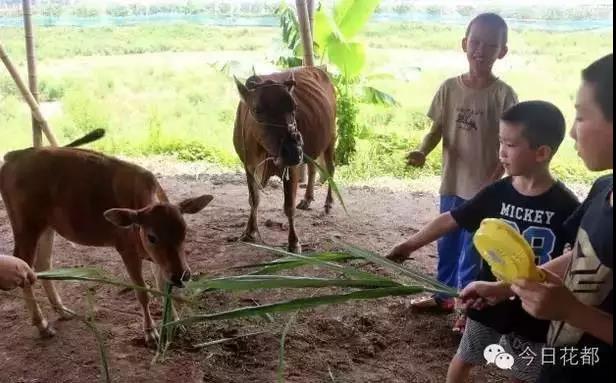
(162, 231)
(272, 105)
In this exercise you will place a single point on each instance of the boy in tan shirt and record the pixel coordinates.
(465, 112)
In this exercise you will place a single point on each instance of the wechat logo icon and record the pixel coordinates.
(495, 354)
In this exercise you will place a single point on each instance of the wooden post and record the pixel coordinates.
(304, 25)
(310, 5)
(305, 28)
(37, 138)
(34, 108)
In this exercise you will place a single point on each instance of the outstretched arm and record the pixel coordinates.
(440, 226)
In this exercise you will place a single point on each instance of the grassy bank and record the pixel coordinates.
(159, 89)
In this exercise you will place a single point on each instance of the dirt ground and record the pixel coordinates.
(376, 341)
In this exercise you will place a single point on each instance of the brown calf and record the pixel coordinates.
(281, 117)
(93, 200)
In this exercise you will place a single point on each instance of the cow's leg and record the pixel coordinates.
(328, 156)
(134, 266)
(43, 262)
(25, 248)
(309, 194)
(290, 190)
(251, 233)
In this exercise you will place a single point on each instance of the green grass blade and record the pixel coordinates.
(349, 271)
(93, 274)
(224, 340)
(305, 303)
(283, 337)
(331, 375)
(414, 275)
(254, 282)
(166, 332)
(100, 343)
(330, 179)
(289, 263)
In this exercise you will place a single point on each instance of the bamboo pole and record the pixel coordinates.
(37, 138)
(29, 97)
(310, 5)
(304, 25)
(305, 28)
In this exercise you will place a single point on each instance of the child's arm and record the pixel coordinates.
(429, 142)
(554, 301)
(559, 265)
(14, 272)
(440, 226)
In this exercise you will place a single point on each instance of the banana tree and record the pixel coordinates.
(336, 42)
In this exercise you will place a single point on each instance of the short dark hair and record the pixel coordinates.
(542, 123)
(601, 75)
(491, 19)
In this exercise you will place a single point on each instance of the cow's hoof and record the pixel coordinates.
(151, 338)
(296, 248)
(65, 313)
(47, 331)
(304, 204)
(253, 237)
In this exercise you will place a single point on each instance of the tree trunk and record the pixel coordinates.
(37, 137)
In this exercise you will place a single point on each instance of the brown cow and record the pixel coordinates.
(281, 117)
(93, 200)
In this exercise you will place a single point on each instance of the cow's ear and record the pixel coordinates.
(290, 82)
(124, 218)
(242, 90)
(195, 205)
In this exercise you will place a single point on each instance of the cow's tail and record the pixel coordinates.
(90, 137)
(94, 135)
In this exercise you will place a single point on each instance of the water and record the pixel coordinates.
(272, 21)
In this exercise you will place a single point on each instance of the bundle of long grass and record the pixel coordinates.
(364, 285)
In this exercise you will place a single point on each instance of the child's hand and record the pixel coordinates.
(400, 252)
(548, 300)
(478, 294)
(14, 273)
(416, 158)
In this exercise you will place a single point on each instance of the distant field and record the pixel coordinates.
(159, 90)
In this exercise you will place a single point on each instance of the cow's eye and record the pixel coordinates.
(152, 239)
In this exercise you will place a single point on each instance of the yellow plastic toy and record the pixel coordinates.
(509, 255)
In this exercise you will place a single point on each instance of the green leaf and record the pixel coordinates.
(91, 274)
(351, 16)
(291, 263)
(283, 338)
(330, 179)
(350, 58)
(416, 276)
(100, 343)
(303, 303)
(324, 27)
(254, 282)
(166, 333)
(224, 340)
(349, 271)
(372, 95)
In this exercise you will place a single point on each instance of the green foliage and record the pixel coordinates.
(347, 111)
(335, 35)
(178, 105)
